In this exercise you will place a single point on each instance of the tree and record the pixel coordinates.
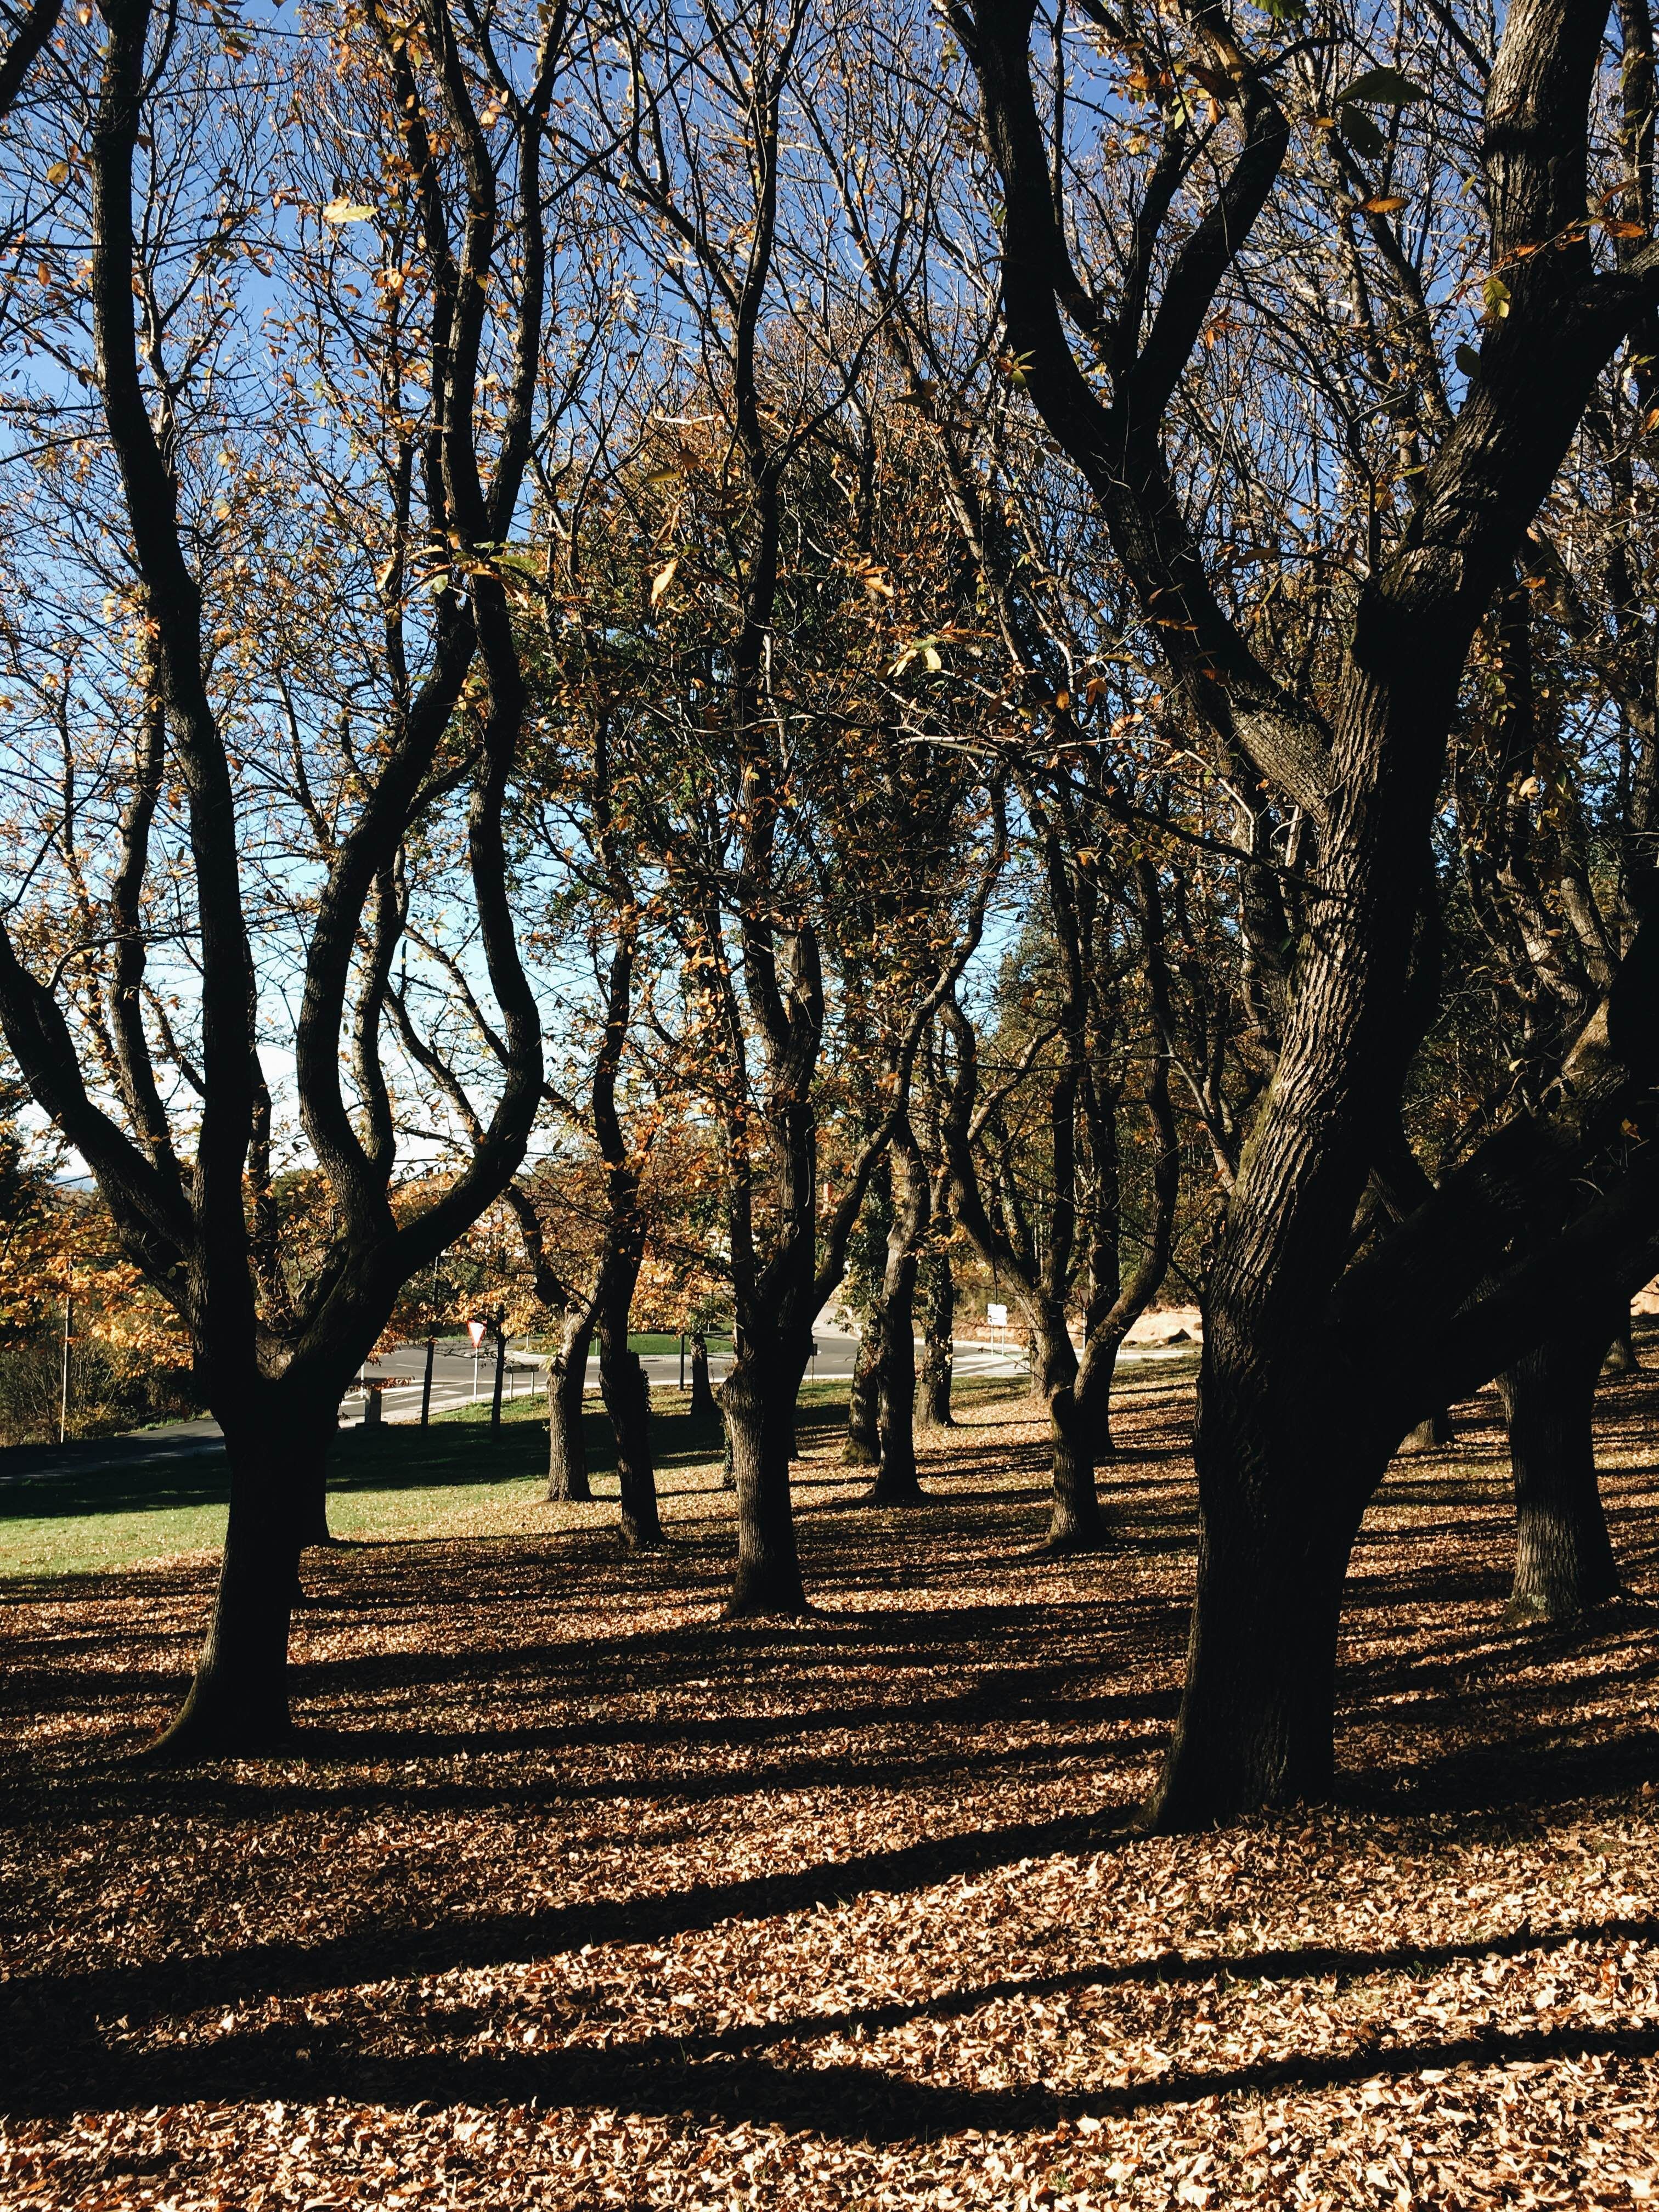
(1309, 1365)
(267, 802)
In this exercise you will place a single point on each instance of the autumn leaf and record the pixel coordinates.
(342, 212)
(662, 580)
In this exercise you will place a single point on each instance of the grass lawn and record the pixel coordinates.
(394, 1482)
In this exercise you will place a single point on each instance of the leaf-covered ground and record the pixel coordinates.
(579, 1898)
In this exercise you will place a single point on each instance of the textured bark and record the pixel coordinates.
(1305, 1356)
(862, 1447)
(1257, 1720)
(1564, 1562)
(1075, 1522)
(567, 1440)
(238, 1700)
(939, 1312)
(757, 1399)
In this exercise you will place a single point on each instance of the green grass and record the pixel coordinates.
(656, 1341)
(385, 1484)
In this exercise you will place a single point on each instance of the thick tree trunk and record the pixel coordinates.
(314, 1530)
(1564, 1562)
(1257, 1715)
(1075, 1522)
(759, 1403)
(939, 1318)
(896, 1482)
(238, 1701)
(702, 1406)
(567, 1442)
(1074, 1517)
(862, 1447)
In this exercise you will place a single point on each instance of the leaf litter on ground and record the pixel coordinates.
(574, 1896)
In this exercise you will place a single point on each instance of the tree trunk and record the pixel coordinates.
(939, 1323)
(702, 1407)
(757, 1401)
(628, 1400)
(863, 1445)
(896, 1482)
(237, 1702)
(1275, 1530)
(1074, 1517)
(567, 1442)
(1564, 1562)
(1432, 1435)
(314, 1530)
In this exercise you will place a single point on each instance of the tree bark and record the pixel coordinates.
(1564, 1562)
(702, 1406)
(862, 1447)
(1075, 1522)
(939, 1324)
(238, 1701)
(1257, 1719)
(628, 1401)
(896, 1482)
(566, 1442)
(757, 1399)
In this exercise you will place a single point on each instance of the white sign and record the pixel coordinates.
(476, 1329)
(997, 1316)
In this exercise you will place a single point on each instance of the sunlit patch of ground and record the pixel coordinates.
(580, 1898)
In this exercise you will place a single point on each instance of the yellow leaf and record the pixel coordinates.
(662, 580)
(339, 212)
(1384, 204)
(58, 174)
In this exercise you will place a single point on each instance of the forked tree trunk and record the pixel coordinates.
(1564, 1562)
(862, 1447)
(939, 1316)
(757, 1399)
(702, 1406)
(567, 1440)
(238, 1701)
(1074, 1517)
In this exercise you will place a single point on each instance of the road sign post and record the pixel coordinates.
(476, 1330)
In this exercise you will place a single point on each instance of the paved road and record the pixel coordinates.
(155, 1450)
(452, 1372)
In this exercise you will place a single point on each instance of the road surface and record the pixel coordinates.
(453, 1383)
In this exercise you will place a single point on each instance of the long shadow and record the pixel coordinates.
(389, 1951)
(850, 2103)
